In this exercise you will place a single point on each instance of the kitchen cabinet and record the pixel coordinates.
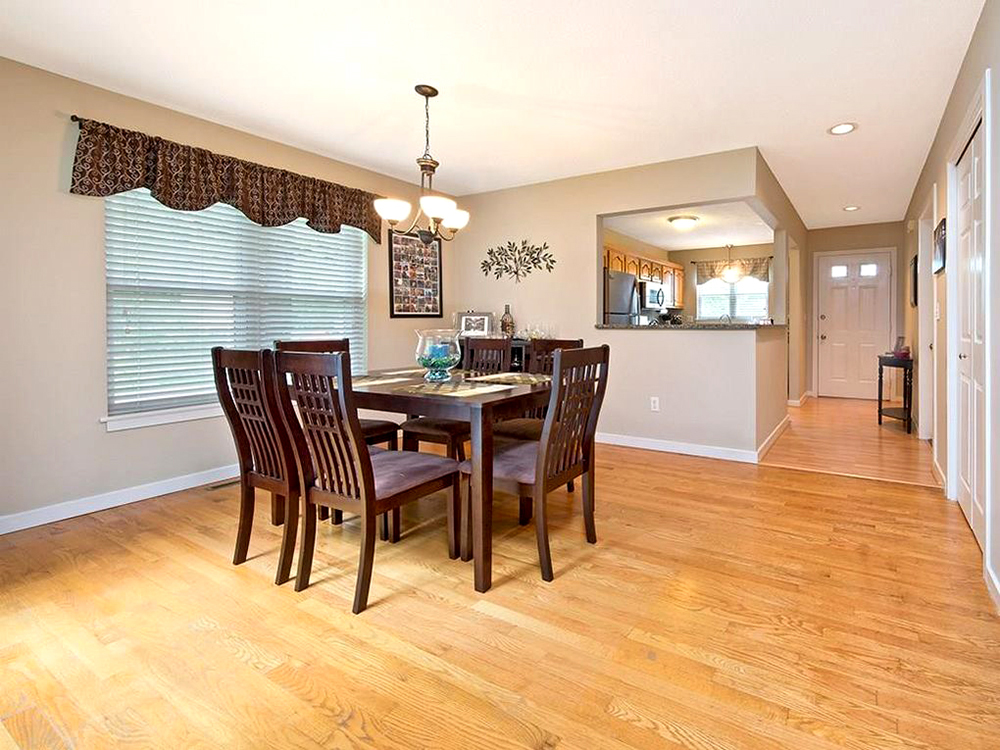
(656, 272)
(679, 287)
(645, 269)
(615, 260)
(632, 265)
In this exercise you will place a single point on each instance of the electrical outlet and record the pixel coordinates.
(654, 403)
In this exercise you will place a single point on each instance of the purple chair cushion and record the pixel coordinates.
(398, 471)
(513, 460)
(524, 428)
(370, 427)
(436, 427)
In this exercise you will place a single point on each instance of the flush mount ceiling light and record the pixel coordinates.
(441, 212)
(852, 208)
(843, 128)
(683, 222)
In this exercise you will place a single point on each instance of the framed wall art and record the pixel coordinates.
(414, 277)
(940, 243)
(476, 324)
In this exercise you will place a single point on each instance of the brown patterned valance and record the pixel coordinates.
(758, 268)
(113, 160)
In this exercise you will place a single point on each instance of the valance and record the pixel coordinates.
(113, 160)
(758, 268)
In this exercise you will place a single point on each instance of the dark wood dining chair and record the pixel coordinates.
(375, 431)
(484, 356)
(533, 468)
(540, 358)
(338, 468)
(263, 450)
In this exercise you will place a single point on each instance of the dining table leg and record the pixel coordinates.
(481, 490)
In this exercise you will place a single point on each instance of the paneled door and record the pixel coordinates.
(971, 337)
(853, 323)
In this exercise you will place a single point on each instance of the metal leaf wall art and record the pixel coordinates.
(517, 261)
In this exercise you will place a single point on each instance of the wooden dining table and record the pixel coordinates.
(480, 401)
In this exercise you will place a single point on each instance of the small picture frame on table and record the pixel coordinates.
(414, 277)
(473, 324)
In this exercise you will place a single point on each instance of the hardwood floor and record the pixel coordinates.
(725, 606)
(843, 436)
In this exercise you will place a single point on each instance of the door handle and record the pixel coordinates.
(963, 356)
(822, 337)
(822, 317)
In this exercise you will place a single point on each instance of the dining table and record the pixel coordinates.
(482, 400)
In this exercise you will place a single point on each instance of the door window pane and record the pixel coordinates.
(869, 269)
(838, 272)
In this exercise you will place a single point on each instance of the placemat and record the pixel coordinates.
(459, 390)
(513, 378)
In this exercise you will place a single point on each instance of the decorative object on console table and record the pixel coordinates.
(507, 322)
(517, 261)
(940, 245)
(414, 277)
(476, 324)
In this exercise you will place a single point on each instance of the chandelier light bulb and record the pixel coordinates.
(392, 210)
(456, 220)
(437, 206)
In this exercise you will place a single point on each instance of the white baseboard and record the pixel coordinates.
(800, 400)
(939, 475)
(81, 506)
(992, 585)
(671, 446)
(769, 440)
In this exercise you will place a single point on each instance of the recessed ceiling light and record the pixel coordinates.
(843, 128)
(852, 208)
(683, 222)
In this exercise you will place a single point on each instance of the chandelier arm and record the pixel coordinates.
(445, 237)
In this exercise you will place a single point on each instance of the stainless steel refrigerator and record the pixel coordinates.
(621, 298)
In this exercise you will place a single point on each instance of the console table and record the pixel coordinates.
(894, 412)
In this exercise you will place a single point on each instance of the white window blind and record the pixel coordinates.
(744, 300)
(181, 282)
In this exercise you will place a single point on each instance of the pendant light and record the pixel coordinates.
(732, 272)
(444, 217)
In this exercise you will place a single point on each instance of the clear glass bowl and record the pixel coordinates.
(438, 350)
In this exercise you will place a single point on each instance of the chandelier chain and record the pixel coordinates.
(427, 126)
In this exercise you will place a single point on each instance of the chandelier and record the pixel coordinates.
(732, 272)
(444, 217)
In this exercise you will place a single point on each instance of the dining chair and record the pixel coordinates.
(482, 355)
(264, 453)
(565, 450)
(375, 431)
(338, 468)
(539, 358)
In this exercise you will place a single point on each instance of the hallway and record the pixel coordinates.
(843, 436)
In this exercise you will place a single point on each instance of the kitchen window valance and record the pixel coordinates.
(112, 160)
(758, 268)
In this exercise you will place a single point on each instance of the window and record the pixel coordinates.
(869, 269)
(838, 272)
(180, 282)
(744, 300)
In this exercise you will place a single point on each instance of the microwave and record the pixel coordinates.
(653, 296)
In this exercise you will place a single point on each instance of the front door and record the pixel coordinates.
(971, 337)
(854, 323)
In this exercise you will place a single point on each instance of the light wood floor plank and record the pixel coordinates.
(725, 607)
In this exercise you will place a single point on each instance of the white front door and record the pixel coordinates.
(971, 330)
(854, 324)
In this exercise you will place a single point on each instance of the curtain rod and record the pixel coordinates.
(769, 257)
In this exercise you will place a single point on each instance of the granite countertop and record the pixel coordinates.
(687, 327)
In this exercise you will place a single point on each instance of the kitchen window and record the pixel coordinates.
(744, 300)
(181, 282)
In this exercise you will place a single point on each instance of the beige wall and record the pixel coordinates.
(771, 371)
(686, 257)
(705, 380)
(52, 446)
(983, 54)
(857, 237)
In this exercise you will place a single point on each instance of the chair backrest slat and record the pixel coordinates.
(326, 433)
(579, 381)
(321, 346)
(540, 352)
(241, 383)
(486, 355)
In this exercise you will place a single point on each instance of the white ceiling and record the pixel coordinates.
(718, 225)
(534, 90)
